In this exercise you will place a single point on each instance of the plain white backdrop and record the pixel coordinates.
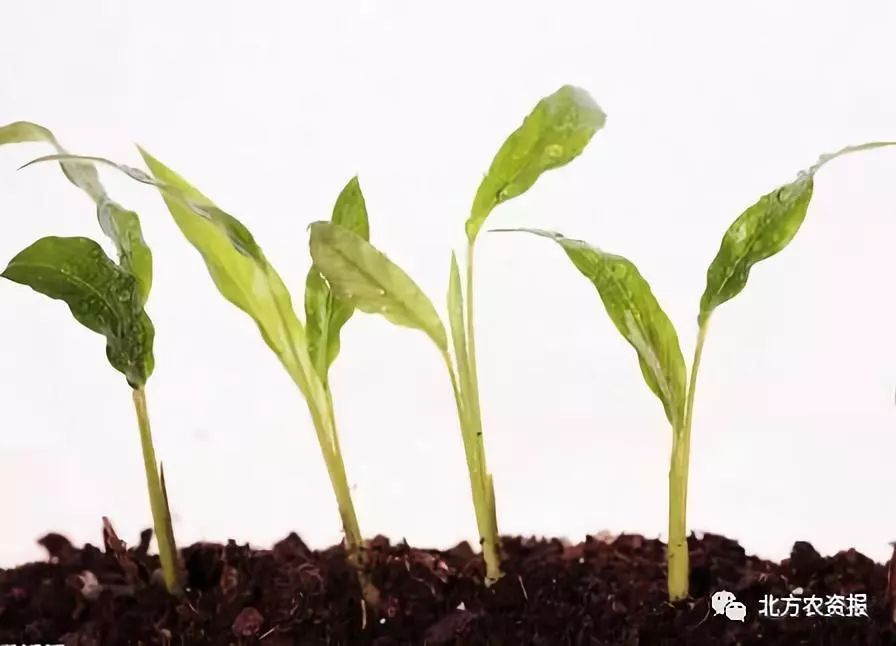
(269, 108)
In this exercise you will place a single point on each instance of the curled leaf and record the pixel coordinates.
(552, 135)
(456, 323)
(123, 227)
(637, 315)
(119, 224)
(326, 313)
(762, 231)
(100, 294)
(363, 276)
(237, 266)
(80, 173)
(179, 191)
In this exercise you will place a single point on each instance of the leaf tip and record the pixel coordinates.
(148, 158)
(34, 161)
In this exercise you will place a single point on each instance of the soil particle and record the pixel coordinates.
(605, 591)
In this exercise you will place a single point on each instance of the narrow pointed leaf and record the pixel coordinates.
(166, 521)
(81, 174)
(762, 231)
(237, 266)
(366, 278)
(235, 262)
(555, 132)
(350, 210)
(456, 323)
(101, 296)
(326, 313)
(637, 315)
(119, 224)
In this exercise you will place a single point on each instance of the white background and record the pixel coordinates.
(270, 108)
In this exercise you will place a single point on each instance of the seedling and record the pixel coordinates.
(553, 134)
(760, 232)
(243, 275)
(108, 298)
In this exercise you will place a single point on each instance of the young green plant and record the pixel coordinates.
(107, 298)
(244, 277)
(553, 134)
(760, 232)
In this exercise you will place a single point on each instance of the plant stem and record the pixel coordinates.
(473, 395)
(677, 550)
(487, 515)
(323, 417)
(355, 546)
(157, 502)
(320, 404)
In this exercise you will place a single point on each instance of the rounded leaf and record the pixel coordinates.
(101, 296)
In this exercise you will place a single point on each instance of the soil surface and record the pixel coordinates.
(605, 591)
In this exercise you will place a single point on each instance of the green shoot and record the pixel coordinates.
(244, 277)
(107, 298)
(761, 231)
(553, 134)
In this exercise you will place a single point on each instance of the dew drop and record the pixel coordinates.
(554, 151)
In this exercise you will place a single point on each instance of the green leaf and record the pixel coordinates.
(325, 313)
(83, 175)
(237, 266)
(22, 132)
(185, 195)
(553, 134)
(350, 210)
(101, 296)
(363, 276)
(134, 255)
(168, 526)
(119, 224)
(456, 323)
(235, 262)
(762, 231)
(635, 312)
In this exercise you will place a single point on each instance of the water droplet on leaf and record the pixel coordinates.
(554, 151)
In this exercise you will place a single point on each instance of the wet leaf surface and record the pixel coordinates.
(100, 295)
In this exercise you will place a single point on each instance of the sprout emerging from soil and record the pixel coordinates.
(761, 231)
(553, 134)
(107, 298)
(243, 276)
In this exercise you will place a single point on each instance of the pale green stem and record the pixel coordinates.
(324, 420)
(491, 546)
(483, 504)
(324, 425)
(677, 551)
(473, 395)
(157, 503)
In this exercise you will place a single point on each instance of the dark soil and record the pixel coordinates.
(602, 591)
